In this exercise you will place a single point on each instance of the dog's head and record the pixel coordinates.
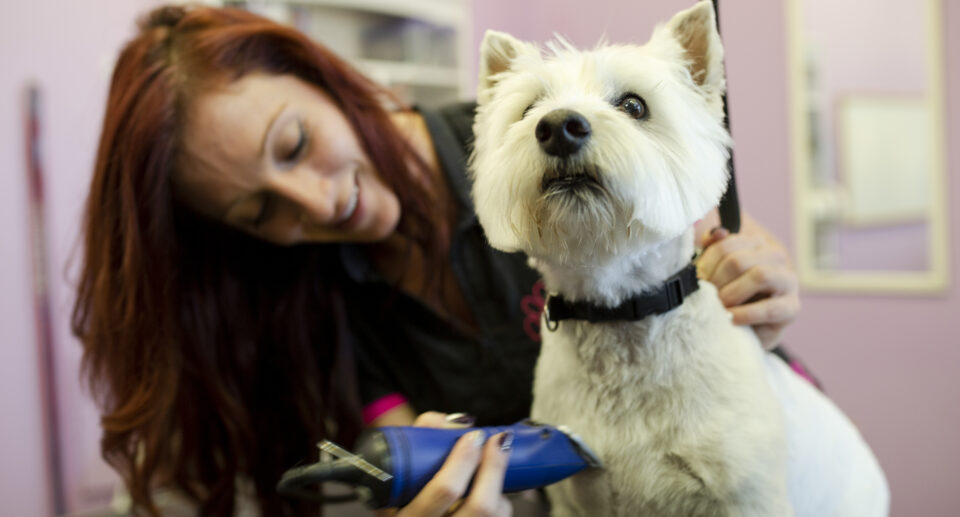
(583, 156)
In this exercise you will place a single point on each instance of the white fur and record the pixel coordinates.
(688, 414)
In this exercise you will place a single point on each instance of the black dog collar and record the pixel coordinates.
(669, 296)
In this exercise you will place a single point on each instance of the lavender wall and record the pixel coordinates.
(889, 362)
(67, 48)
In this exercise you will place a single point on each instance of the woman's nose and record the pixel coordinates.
(316, 196)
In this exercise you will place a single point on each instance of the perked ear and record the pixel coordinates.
(497, 52)
(696, 31)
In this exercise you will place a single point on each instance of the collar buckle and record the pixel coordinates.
(551, 323)
(675, 292)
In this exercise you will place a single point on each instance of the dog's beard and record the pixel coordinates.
(583, 182)
(575, 214)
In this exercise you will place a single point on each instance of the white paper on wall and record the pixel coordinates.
(885, 152)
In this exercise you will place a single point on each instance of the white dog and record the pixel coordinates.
(597, 164)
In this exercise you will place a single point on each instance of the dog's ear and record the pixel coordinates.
(696, 31)
(497, 52)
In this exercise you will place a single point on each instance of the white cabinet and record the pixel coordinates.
(418, 48)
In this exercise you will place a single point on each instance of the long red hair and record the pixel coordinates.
(214, 356)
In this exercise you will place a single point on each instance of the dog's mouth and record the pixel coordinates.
(565, 179)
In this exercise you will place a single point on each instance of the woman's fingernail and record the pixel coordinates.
(506, 441)
(476, 438)
(716, 229)
(461, 419)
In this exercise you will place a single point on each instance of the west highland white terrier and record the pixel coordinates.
(597, 164)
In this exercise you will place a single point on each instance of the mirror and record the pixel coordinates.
(868, 144)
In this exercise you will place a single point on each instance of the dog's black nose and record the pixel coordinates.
(562, 132)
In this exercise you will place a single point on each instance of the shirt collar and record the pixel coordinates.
(453, 162)
(356, 263)
(452, 158)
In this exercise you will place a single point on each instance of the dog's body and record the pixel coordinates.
(692, 418)
(671, 444)
(596, 164)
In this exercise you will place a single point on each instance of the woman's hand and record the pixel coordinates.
(472, 454)
(754, 277)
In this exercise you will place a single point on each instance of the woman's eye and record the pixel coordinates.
(634, 106)
(292, 142)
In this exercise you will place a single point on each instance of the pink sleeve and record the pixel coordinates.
(380, 406)
(802, 372)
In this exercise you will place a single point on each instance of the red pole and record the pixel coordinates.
(41, 302)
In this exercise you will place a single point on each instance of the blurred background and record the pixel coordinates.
(846, 120)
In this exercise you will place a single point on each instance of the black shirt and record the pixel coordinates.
(404, 347)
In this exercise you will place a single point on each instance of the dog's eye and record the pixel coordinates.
(633, 105)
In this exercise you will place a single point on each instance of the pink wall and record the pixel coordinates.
(841, 29)
(890, 362)
(901, 247)
(67, 47)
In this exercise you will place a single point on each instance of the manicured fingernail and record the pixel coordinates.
(506, 441)
(461, 419)
(476, 438)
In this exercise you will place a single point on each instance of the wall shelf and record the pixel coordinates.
(418, 48)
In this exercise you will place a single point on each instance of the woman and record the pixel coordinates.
(272, 258)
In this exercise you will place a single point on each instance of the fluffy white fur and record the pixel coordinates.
(688, 414)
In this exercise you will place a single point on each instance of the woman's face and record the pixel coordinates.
(274, 156)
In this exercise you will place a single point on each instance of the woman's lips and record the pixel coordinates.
(350, 207)
(351, 212)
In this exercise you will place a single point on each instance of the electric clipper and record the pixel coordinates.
(392, 464)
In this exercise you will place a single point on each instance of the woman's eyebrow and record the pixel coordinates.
(266, 132)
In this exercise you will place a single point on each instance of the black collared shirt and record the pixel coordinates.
(404, 347)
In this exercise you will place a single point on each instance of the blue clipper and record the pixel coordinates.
(392, 464)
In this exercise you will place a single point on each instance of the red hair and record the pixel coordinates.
(215, 356)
